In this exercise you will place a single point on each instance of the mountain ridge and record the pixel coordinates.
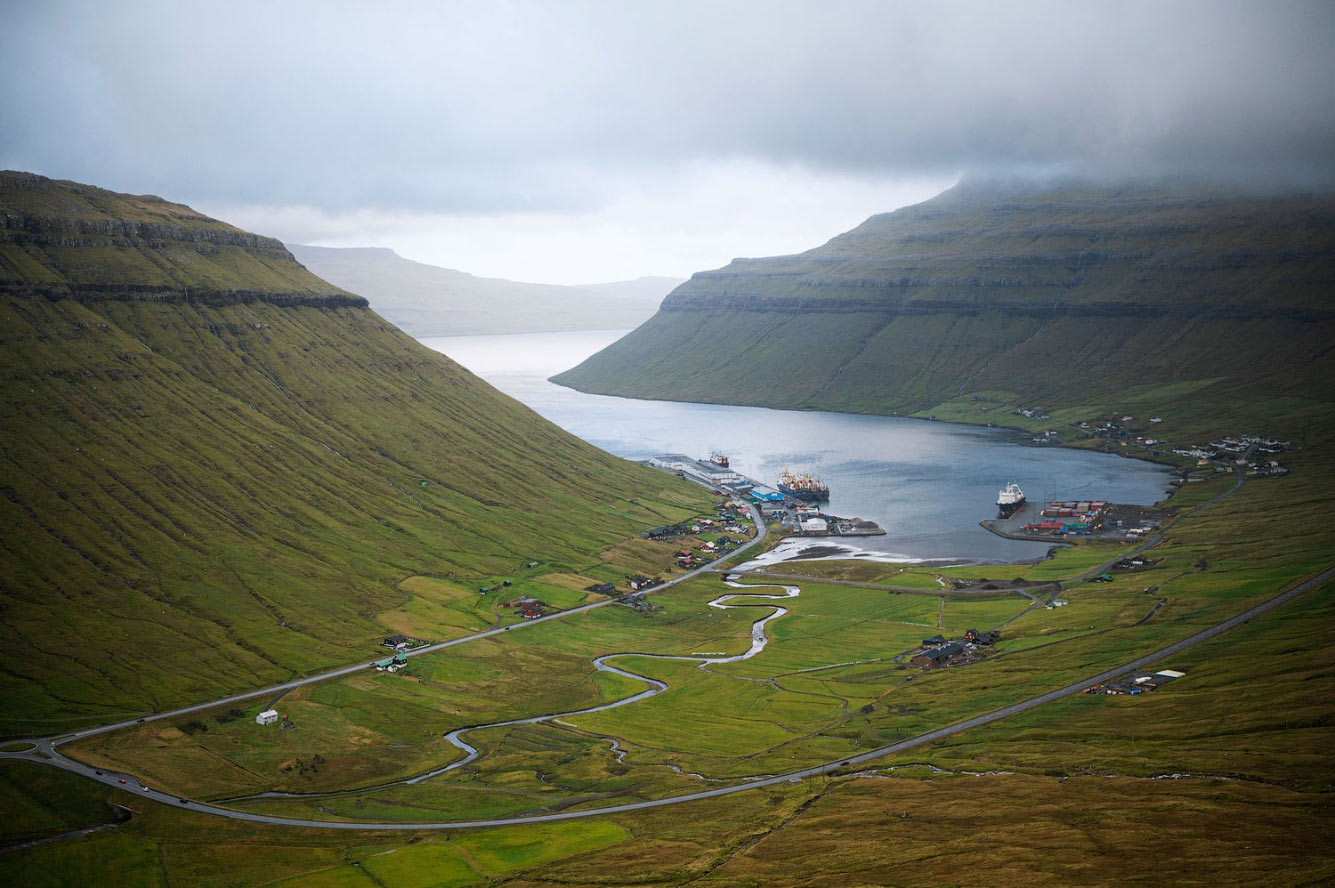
(203, 494)
(1066, 295)
(62, 239)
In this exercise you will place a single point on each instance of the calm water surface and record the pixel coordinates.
(927, 483)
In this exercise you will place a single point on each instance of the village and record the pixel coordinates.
(1252, 454)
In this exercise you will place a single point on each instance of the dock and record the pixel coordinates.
(801, 517)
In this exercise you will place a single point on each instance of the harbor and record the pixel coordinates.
(926, 483)
(1058, 520)
(793, 503)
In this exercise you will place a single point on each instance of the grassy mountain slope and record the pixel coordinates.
(217, 466)
(426, 300)
(1059, 295)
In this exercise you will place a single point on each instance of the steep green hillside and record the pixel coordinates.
(1057, 296)
(216, 466)
(426, 300)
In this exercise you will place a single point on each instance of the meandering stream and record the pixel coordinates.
(759, 639)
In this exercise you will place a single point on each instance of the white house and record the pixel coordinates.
(267, 717)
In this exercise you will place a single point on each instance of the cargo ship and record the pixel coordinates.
(803, 487)
(719, 459)
(1010, 499)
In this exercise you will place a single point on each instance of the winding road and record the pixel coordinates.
(44, 750)
(758, 642)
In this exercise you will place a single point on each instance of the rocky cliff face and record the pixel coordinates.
(1100, 252)
(65, 240)
(1068, 294)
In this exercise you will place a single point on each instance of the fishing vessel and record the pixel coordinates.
(803, 487)
(1009, 499)
(719, 459)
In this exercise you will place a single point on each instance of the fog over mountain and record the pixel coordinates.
(425, 300)
(594, 141)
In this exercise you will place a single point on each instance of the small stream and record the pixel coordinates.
(759, 639)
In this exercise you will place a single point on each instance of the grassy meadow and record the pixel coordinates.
(1072, 784)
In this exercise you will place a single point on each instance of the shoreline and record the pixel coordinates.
(1064, 445)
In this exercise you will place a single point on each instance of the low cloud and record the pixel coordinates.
(681, 222)
(528, 109)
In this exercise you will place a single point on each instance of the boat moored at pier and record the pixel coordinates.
(1009, 500)
(803, 487)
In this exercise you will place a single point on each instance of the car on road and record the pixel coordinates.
(121, 780)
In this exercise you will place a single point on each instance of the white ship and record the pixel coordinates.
(1010, 499)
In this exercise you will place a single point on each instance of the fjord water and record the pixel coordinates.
(927, 483)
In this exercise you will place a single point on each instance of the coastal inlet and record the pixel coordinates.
(926, 483)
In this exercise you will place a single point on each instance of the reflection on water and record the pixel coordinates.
(928, 484)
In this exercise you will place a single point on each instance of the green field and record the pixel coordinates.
(827, 684)
(1249, 718)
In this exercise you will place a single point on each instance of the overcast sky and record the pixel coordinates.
(574, 142)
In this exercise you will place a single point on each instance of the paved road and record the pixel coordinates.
(44, 749)
(761, 532)
(133, 785)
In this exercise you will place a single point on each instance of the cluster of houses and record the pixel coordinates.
(684, 529)
(526, 607)
(1141, 529)
(1137, 683)
(640, 582)
(392, 664)
(401, 642)
(708, 551)
(1249, 452)
(636, 602)
(938, 653)
(1114, 428)
(1033, 413)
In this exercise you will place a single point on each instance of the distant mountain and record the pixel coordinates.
(1198, 300)
(215, 467)
(648, 289)
(426, 300)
